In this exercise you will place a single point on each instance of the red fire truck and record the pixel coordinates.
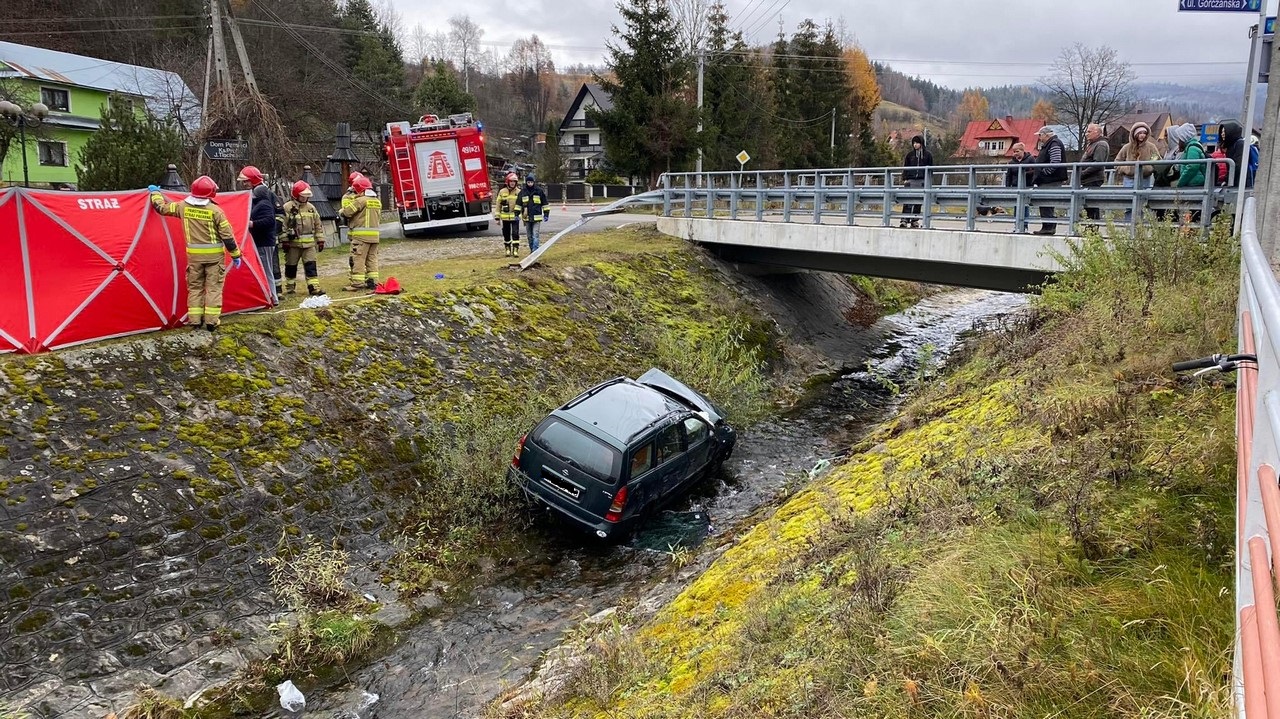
(438, 172)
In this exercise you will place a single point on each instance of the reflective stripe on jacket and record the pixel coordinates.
(205, 228)
(302, 223)
(364, 217)
(530, 204)
(505, 202)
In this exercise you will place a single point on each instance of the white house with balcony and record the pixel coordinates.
(581, 144)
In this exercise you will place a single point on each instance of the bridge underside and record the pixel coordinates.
(940, 273)
(984, 260)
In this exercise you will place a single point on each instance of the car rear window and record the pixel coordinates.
(572, 444)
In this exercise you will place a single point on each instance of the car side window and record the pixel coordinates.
(642, 460)
(696, 430)
(670, 443)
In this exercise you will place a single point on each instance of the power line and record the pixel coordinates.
(794, 56)
(768, 16)
(330, 63)
(35, 33)
(148, 18)
(770, 113)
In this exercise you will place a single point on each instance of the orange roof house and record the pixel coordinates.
(996, 138)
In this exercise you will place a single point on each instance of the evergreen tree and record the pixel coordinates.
(651, 127)
(810, 85)
(441, 94)
(130, 150)
(372, 54)
(735, 108)
(550, 162)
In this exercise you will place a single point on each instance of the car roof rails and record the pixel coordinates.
(592, 391)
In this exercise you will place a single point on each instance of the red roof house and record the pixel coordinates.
(996, 138)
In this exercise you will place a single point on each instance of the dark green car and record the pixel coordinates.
(612, 455)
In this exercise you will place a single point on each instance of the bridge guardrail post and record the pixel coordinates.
(887, 209)
(733, 195)
(818, 194)
(1021, 205)
(786, 196)
(1135, 214)
(850, 197)
(1074, 207)
(972, 206)
(666, 195)
(926, 200)
(711, 198)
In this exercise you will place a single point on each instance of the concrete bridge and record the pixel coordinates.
(973, 230)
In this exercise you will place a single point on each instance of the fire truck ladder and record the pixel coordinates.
(402, 165)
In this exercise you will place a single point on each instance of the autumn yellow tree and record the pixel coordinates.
(1044, 111)
(973, 106)
(864, 98)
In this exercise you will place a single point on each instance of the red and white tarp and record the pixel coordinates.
(82, 266)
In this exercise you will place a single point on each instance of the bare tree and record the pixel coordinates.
(1090, 85)
(693, 18)
(465, 34)
(533, 79)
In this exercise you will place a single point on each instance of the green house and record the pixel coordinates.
(76, 88)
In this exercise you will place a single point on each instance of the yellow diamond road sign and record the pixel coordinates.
(743, 157)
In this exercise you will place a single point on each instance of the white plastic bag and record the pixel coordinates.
(291, 700)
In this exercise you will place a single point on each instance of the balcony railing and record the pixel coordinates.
(582, 149)
(580, 123)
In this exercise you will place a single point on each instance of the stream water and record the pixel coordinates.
(466, 653)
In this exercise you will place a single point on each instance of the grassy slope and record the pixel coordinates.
(1046, 533)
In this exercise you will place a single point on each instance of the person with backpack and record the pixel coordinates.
(1185, 140)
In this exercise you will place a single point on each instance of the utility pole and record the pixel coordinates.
(222, 75)
(833, 136)
(241, 53)
(1251, 91)
(702, 64)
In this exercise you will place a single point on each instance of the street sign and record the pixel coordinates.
(743, 157)
(227, 150)
(1219, 5)
(1209, 134)
(1270, 27)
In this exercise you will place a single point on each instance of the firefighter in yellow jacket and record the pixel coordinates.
(208, 234)
(504, 210)
(364, 218)
(303, 238)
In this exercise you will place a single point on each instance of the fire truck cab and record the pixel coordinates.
(439, 173)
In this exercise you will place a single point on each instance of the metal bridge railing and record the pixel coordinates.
(1256, 676)
(946, 195)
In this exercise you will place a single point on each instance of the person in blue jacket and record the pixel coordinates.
(533, 208)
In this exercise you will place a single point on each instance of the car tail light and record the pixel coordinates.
(515, 459)
(615, 509)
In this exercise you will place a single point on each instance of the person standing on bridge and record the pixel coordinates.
(504, 211)
(1020, 157)
(1097, 152)
(919, 157)
(533, 208)
(1052, 153)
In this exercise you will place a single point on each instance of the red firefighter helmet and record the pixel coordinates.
(361, 184)
(351, 179)
(204, 188)
(251, 175)
(512, 177)
(301, 190)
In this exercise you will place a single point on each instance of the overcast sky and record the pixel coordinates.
(957, 43)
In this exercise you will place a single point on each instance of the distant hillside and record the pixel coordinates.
(904, 93)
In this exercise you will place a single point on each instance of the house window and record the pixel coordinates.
(53, 154)
(56, 100)
(581, 140)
